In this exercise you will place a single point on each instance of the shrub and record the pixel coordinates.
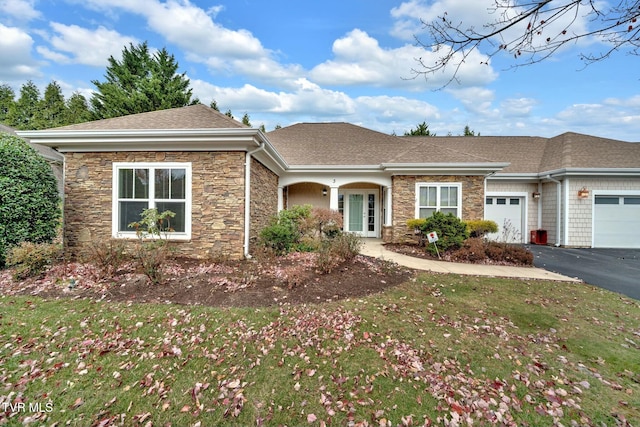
(31, 259)
(473, 250)
(29, 201)
(334, 251)
(325, 222)
(152, 250)
(108, 256)
(286, 229)
(452, 232)
(480, 227)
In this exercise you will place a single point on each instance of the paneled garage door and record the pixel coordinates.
(616, 221)
(507, 213)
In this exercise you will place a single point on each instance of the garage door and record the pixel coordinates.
(507, 213)
(616, 222)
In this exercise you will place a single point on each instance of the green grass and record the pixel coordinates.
(440, 348)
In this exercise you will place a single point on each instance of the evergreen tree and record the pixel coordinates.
(421, 130)
(214, 105)
(229, 114)
(245, 120)
(77, 109)
(22, 113)
(7, 99)
(469, 132)
(140, 82)
(52, 109)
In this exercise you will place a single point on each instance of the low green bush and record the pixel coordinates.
(480, 227)
(451, 230)
(32, 259)
(286, 229)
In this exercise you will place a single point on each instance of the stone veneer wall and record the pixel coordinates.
(217, 218)
(264, 199)
(404, 199)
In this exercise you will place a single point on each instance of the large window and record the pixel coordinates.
(140, 186)
(445, 198)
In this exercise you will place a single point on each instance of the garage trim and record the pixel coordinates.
(525, 208)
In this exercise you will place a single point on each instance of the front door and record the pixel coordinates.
(360, 212)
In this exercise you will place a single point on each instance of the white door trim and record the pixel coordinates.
(376, 211)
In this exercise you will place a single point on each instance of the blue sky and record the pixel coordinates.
(285, 62)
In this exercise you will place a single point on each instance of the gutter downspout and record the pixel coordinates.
(540, 205)
(247, 196)
(558, 208)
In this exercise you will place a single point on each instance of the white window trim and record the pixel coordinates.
(420, 185)
(186, 235)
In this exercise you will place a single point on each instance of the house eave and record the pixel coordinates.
(592, 172)
(228, 139)
(443, 168)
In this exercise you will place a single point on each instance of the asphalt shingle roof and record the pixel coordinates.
(348, 144)
(197, 116)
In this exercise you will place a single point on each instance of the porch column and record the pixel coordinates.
(280, 198)
(333, 199)
(388, 217)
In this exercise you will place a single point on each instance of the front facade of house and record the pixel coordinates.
(225, 181)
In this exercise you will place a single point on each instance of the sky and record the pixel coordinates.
(289, 61)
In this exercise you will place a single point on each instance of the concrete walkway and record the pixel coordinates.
(375, 248)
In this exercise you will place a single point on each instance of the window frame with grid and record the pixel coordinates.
(435, 201)
(169, 189)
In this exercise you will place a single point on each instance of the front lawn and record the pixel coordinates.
(441, 349)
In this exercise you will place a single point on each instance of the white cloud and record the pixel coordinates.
(477, 100)
(360, 60)
(75, 44)
(517, 107)
(20, 9)
(16, 62)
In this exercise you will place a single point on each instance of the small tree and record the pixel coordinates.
(421, 130)
(451, 230)
(29, 201)
(152, 250)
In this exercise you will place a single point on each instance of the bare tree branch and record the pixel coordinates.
(531, 31)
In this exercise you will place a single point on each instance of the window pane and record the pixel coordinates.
(178, 183)
(489, 201)
(501, 201)
(125, 183)
(428, 196)
(177, 223)
(449, 196)
(141, 184)
(426, 212)
(453, 211)
(632, 200)
(514, 201)
(162, 183)
(130, 212)
(607, 200)
(372, 212)
(341, 203)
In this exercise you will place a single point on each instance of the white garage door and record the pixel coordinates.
(507, 213)
(616, 222)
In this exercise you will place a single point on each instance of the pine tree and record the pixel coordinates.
(52, 109)
(140, 82)
(7, 99)
(22, 113)
(77, 109)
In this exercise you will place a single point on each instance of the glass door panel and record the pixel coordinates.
(356, 213)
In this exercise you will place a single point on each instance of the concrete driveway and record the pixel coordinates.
(617, 270)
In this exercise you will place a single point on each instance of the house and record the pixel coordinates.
(52, 157)
(225, 180)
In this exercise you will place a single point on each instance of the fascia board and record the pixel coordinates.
(592, 172)
(334, 168)
(440, 168)
(136, 140)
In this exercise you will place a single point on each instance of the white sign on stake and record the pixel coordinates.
(433, 238)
